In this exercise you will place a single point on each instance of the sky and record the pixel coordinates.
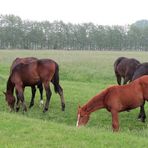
(101, 12)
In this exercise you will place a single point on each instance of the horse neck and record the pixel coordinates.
(10, 86)
(97, 102)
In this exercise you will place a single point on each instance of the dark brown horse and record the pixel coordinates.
(125, 68)
(43, 70)
(116, 99)
(141, 70)
(28, 60)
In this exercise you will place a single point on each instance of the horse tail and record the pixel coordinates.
(55, 79)
(117, 62)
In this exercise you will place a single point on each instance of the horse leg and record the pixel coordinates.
(142, 115)
(18, 102)
(40, 87)
(115, 121)
(33, 89)
(60, 92)
(126, 79)
(21, 97)
(118, 79)
(48, 96)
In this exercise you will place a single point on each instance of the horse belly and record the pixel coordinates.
(132, 103)
(31, 81)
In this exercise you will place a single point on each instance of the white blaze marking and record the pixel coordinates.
(78, 120)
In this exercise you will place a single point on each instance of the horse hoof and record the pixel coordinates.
(11, 110)
(63, 107)
(141, 119)
(45, 110)
(17, 109)
(25, 109)
(31, 105)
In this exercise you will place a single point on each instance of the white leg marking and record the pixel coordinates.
(78, 120)
(41, 102)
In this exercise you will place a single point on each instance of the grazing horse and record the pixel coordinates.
(43, 70)
(125, 68)
(116, 99)
(28, 60)
(142, 69)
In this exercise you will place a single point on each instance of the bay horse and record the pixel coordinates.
(42, 70)
(28, 60)
(115, 99)
(125, 68)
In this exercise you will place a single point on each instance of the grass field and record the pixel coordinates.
(82, 75)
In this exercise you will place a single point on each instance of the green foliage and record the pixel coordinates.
(82, 75)
(141, 23)
(22, 34)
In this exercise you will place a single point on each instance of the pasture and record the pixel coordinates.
(82, 75)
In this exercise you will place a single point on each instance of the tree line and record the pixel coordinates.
(25, 34)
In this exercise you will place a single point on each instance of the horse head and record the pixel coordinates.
(10, 100)
(82, 117)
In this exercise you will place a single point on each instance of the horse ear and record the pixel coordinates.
(79, 107)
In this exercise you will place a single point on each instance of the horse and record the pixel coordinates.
(142, 69)
(125, 68)
(42, 70)
(115, 99)
(27, 60)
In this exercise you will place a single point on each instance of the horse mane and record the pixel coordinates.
(96, 101)
(10, 85)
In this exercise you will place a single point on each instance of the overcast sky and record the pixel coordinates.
(102, 12)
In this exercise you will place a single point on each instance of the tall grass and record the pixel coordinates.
(82, 75)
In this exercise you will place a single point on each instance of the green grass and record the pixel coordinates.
(82, 75)
(20, 131)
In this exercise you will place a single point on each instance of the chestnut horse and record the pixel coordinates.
(125, 68)
(43, 70)
(28, 60)
(116, 99)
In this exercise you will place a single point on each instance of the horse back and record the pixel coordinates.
(34, 72)
(118, 61)
(46, 68)
(126, 66)
(25, 74)
(124, 97)
(25, 60)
